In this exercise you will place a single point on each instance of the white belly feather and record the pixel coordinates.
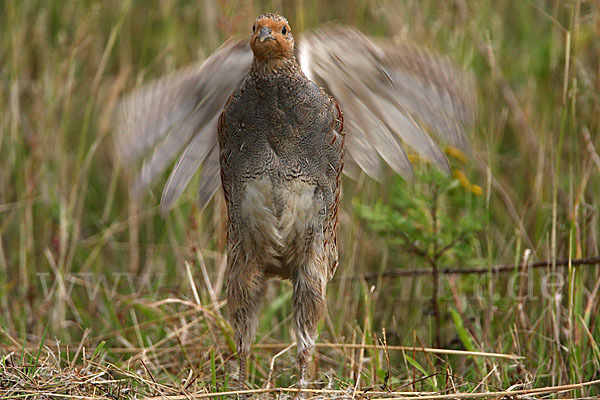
(278, 217)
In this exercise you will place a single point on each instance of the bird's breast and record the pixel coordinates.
(281, 218)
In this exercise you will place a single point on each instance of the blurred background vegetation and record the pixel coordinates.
(80, 265)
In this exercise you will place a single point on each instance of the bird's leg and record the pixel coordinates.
(310, 304)
(244, 297)
(242, 373)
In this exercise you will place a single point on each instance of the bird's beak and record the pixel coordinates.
(265, 34)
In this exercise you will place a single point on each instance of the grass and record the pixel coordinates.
(102, 299)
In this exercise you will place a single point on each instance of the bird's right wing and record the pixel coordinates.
(156, 121)
(391, 94)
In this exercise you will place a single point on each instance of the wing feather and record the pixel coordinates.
(158, 120)
(199, 150)
(210, 179)
(391, 93)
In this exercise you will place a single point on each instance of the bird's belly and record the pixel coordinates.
(282, 219)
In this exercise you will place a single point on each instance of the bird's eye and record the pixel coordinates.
(253, 28)
(284, 30)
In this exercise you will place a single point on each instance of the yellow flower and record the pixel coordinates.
(456, 153)
(476, 190)
(413, 158)
(462, 178)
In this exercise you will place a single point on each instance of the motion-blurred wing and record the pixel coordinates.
(389, 92)
(156, 121)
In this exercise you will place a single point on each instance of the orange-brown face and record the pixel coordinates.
(271, 38)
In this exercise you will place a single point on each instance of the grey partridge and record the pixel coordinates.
(279, 145)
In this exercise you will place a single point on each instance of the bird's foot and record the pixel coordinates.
(242, 396)
(301, 387)
(301, 382)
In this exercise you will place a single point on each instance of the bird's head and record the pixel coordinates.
(272, 38)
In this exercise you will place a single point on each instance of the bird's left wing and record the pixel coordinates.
(392, 94)
(156, 121)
